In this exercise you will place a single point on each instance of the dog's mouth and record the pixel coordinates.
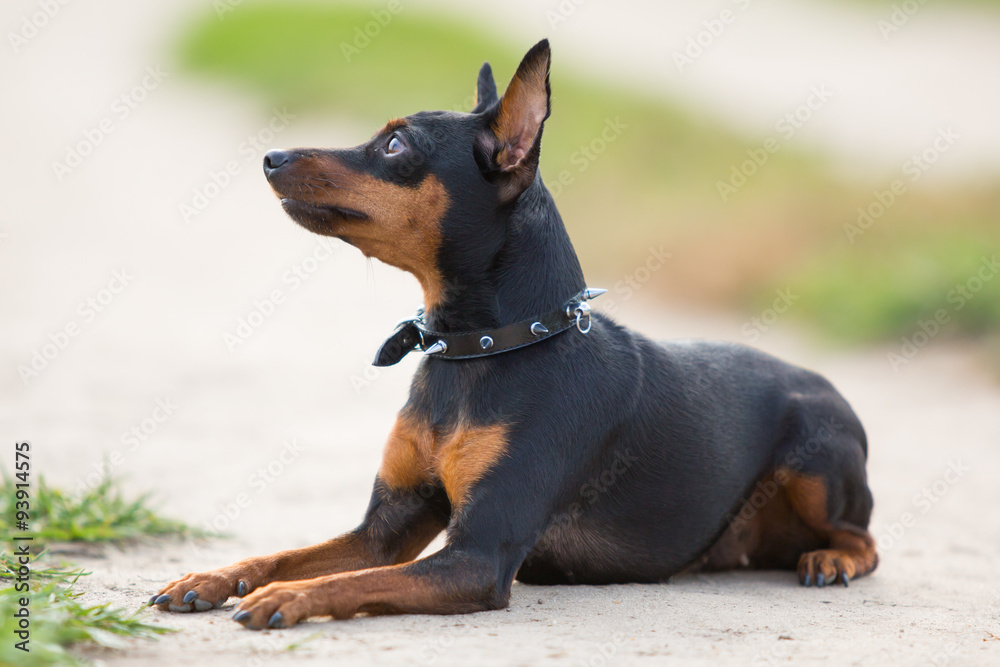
(320, 218)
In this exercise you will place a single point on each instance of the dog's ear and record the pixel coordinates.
(509, 146)
(486, 89)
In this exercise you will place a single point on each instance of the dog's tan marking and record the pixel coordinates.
(851, 549)
(467, 455)
(404, 225)
(785, 524)
(346, 553)
(522, 110)
(393, 124)
(392, 589)
(415, 453)
(406, 455)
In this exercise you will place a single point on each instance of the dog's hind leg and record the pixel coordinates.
(810, 516)
(822, 503)
(821, 470)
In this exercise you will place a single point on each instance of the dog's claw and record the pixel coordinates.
(807, 581)
(820, 580)
(241, 589)
(241, 617)
(845, 579)
(189, 596)
(152, 600)
(277, 621)
(163, 599)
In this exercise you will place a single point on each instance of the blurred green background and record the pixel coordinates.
(655, 184)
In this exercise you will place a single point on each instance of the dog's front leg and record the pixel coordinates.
(494, 525)
(398, 525)
(450, 581)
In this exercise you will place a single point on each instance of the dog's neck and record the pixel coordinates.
(535, 271)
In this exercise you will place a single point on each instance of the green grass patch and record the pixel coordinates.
(654, 184)
(58, 619)
(100, 514)
(851, 296)
(291, 55)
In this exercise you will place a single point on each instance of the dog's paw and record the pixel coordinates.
(200, 591)
(280, 604)
(826, 568)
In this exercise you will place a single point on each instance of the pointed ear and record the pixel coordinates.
(486, 89)
(511, 143)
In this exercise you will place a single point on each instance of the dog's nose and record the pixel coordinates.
(275, 159)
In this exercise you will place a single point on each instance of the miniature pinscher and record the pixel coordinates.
(553, 445)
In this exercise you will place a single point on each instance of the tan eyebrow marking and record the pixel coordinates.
(393, 124)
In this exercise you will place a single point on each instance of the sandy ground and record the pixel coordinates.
(276, 440)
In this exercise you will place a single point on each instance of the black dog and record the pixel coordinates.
(554, 446)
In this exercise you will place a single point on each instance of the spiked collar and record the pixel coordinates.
(412, 334)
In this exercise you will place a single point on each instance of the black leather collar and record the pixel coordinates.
(412, 334)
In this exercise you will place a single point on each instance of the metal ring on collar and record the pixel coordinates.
(582, 310)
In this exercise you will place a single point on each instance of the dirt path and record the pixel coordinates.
(276, 440)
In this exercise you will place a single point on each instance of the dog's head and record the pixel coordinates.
(428, 193)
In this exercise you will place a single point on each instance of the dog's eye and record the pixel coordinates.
(395, 145)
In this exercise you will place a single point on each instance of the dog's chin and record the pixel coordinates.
(319, 219)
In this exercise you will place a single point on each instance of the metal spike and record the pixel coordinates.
(538, 329)
(593, 293)
(437, 348)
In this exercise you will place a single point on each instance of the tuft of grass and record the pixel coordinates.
(101, 514)
(58, 619)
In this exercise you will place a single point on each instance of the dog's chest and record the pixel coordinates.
(456, 458)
